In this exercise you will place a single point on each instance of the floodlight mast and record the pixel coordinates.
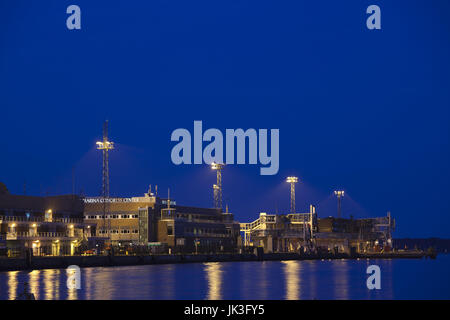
(292, 181)
(339, 194)
(105, 146)
(217, 188)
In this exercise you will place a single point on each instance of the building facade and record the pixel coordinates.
(118, 219)
(191, 229)
(363, 235)
(156, 223)
(50, 225)
(294, 232)
(280, 233)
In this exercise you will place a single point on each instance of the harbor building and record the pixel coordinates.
(51, 225)
(280, 232)
(157, 223)
(191, 229)
(363, 235)
(117, 219)
(305, 231)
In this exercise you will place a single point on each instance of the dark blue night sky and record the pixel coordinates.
(365, 111)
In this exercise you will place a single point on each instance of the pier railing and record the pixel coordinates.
(38, 219)
(21, 219)
(19, 234)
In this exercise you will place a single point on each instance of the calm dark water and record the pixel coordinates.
(342, 279)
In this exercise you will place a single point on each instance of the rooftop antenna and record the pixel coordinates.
(73, 181)
(168, 198)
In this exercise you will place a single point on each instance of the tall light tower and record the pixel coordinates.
(216, 195)
(105, 146)
(218, 186)
(339, 194)
(292, 181)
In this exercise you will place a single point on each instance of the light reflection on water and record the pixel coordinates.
(293, 280)
(12, 284)
(214, 277)
(292, 270)
(312, 275)
(340, 278)
(51, 283)
(34, 282)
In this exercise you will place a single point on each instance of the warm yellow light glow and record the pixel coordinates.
(105, 145)
(34, 225)
(214, 276)
(71, 226)
(12, 284)
(13, 225)
(216, 166)
(292, 270)
(292, 179)
(339, 193)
